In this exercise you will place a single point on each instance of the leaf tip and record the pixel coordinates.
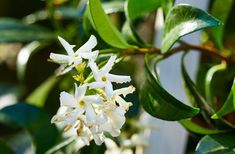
(215, 116)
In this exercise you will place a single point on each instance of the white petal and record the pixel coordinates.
(89, 45)
(67, 99)
(77, 60)
(109, 90)
(90, 114)
(80, 92)
(123, 103)
(94, 99)
(59, 58)
(108, 66)
(94, 85)
(124, 91)
(95, 70)
(89, 55)
(67, 46)
(110, 144)
(98, 138)
(118, 78)
(63, 69)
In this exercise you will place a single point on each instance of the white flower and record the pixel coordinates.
(104, 78)
(68, 62)
(112, 148)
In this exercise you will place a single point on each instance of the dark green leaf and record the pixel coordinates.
(229, 104)
(107, 31)
(216, 142)
(138, 8)
(182, 20)
(220, 10)
(34, 120)
(5, 149)
(38, 96)
(195, 128)
(157, 101)
(199, 100)
(12, 30)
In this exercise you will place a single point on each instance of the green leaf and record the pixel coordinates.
(23, 57)
(208, 81)
(34, 120)
(199, 100)
(5, 149)
(113, 6)
(216, 143)
(12, 30)
(38, 96)
(157, 101)
(138, 8)
(221, 10)
(182, 20)
(229, 105)
(195, 128)
(107, 31)
(167, 5)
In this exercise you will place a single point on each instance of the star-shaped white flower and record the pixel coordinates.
(104, 79)
(72, 59)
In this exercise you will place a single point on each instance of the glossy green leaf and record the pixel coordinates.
(182, 20)
(107, 31)
(34, 120)
(138, 8)
(39, 95)
(12, 30)
(157, 101)
(216, 143)
(221, 10)
(229, 105)
(199, 100)
(208, 80)
(195, 128)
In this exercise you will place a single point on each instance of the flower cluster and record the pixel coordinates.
(95, 107)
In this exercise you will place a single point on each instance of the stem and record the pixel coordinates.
(182, 48)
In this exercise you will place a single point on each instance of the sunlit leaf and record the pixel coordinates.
(182, 20)
(107, 31)
(167, 5)
(39, 95)
(138, 8)
(34, 120)
(216, 143)
(221, 10)
(12, 30)
(157, 101)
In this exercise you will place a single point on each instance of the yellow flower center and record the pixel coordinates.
(81, 103)
(104, 78)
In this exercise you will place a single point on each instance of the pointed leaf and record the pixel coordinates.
(34, 120)
(157, 101)
(108, 32)
(182, 20)
(216, 143)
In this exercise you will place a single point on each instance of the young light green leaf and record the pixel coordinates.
(34, 120)
(157, 101)
(38, 96)
(220, 9)
(138, 8)
(12, 30)
(167, 5)
(229, 105)
(107, 31)
(211, 144)
(182, 20)
(195, 128)
(208, 80)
